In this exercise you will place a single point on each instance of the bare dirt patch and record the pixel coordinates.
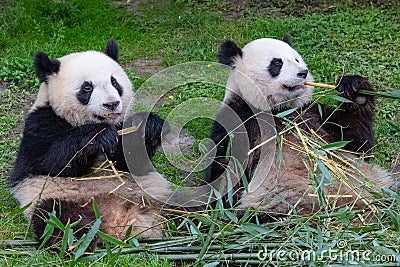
(19, 102)
(145, 67)
(135, 6)
(175, 142)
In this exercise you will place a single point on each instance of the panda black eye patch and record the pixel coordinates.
(85, 93)
(116, 85)
(275, 67)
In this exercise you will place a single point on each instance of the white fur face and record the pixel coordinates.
(90, 87)
(277, 70)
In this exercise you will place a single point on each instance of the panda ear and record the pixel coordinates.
(112, 50)
(44, 66)
(228, 53)
(286, 39)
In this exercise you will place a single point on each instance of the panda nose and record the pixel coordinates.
(111, 105)
(303, 73)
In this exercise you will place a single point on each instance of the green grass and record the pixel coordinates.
(343, 38)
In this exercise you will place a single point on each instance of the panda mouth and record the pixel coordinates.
(111, 116)
(293, 88)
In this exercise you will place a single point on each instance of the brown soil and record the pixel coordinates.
(23, 101)
(145, 67)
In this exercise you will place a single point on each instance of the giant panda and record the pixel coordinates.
(265, 88)
(83, 100)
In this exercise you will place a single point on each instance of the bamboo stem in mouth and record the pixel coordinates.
(322, 85)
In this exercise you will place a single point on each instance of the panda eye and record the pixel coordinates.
(275, 67)
(114, 82)
(87, 87)
(277, 62)
(116, 85)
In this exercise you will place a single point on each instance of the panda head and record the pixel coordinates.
(277, 73)
(84, 87)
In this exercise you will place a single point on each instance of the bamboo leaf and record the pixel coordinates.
(211, 264)
(111, 239)
(203, 219)
(218, 197)
(392, 194)
(231, 216)
(77, 222)
(229, 148)
(254, 229)
(395, 94)
(241, 173)
(248, 212)
(47, 233)
(325, 172)
(230, 188)
(108, 248)
(279, 154)
(319, 110)
(194, 230)
(340, 99)
(285, 113)
(335, 145)
(87, 239)
(128, 231)
(135, 242)
(65, 239)
(55, 221)
(209, 236)
(395, 219)
(96, 209)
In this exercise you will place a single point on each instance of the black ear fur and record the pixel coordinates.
(112, 49)
(44, 66)
(286, 39)
(228, 52)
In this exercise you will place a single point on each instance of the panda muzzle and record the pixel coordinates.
(293, 88)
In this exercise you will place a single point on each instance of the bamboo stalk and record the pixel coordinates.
(395, 94)
(10, 243)
(128, 130)
(322, 85)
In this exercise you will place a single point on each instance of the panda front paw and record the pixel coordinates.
(349, 87)
(105, 139)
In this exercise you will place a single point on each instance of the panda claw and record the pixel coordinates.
(107, 140)
(349, 86)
